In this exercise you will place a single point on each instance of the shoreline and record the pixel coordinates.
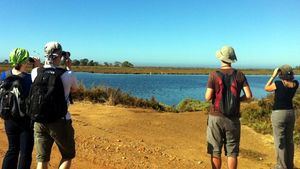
(159, 70)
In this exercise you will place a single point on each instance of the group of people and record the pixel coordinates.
(46, 91)
(224, 89)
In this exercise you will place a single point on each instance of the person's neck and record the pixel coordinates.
(288, 83)
(16, 72)
(225, 66)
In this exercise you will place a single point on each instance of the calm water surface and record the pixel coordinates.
(169, 89)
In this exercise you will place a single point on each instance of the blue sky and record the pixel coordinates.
(264, 33)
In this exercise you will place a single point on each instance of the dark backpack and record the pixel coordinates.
(227, 99)
(12, 99)
(46, 99)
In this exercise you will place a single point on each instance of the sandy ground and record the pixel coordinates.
(111, 137)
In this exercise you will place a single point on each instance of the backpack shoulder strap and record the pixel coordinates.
(11, 77)
(40, 70)
(60, 71)
(235, 72)
(219, 73)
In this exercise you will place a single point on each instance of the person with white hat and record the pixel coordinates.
(223, 89)
(49, 107)
(283, 115)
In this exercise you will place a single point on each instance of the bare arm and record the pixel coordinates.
(247, 94)
(270, 86)
(74, 86)
(74, 89)
(209, 94)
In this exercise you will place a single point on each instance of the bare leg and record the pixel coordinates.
(216, 162)
(42, 165)
(232, 162)
(65, 164)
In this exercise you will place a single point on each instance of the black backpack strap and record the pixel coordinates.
(11, 77)
(40, 70)
(60, 71)
(220, 74)
(234, 73)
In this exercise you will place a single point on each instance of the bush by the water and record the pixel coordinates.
(192, 105)
(111, 96)
(257, 114)
(101, 94)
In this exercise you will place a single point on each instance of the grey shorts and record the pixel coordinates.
(223, 131)
(61, 132)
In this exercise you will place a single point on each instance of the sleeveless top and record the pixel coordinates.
(283, 99)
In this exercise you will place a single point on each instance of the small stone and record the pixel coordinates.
(107, 148)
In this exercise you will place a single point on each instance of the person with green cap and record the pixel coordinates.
(18, 128)
(283, 115)
(224, 87)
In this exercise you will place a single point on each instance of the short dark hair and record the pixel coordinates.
(18, 66)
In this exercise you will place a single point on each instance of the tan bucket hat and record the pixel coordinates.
(226, 54)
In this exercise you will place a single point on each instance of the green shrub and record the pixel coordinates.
(257, 115)
(111, 96)
(192, 105)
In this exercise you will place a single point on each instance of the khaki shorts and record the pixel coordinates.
(61, 132)
(223, 131)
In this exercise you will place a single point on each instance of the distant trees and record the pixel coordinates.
(127, 64)
(75, 62)
(87, 62)
(106, 64)
(83, 62)
(5, 62)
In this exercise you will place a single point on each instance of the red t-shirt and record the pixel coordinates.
(241, 80)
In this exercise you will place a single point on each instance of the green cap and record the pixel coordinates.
(18, 56)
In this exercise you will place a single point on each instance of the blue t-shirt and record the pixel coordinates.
(26, 80)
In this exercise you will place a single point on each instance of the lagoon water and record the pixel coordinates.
(169, 89)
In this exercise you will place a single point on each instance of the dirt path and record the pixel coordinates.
(117, 137)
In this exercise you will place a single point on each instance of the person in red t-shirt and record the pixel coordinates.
(223, 89)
